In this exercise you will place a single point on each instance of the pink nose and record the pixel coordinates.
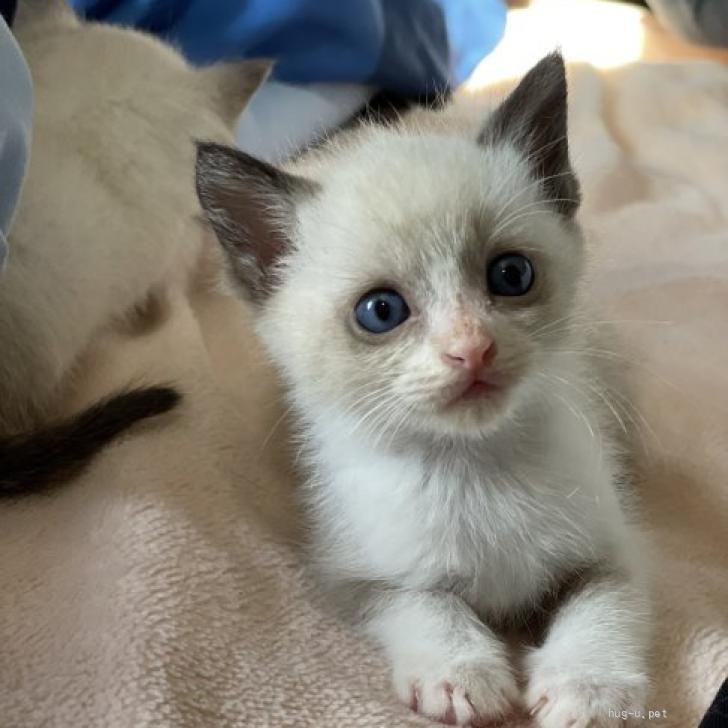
(471, 355)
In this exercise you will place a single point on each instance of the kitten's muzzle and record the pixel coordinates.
(471, 355)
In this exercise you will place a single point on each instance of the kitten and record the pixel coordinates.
(417, 288)
(108, 214)
(107, 223)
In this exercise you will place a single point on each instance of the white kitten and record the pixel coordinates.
(417, 289)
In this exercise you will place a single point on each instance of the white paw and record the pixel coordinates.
(570, 701)
(459, 693)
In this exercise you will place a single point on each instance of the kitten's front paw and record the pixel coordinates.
(461, 693)
(570, 701)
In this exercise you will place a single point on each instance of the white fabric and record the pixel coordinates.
(283, 118)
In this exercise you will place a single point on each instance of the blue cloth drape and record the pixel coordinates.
(409, 46)
(16, 109)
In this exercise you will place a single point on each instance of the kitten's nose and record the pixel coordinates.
(471, 355)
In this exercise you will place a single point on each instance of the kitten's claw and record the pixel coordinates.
(465, 695)
(555, 703)
(534, 710)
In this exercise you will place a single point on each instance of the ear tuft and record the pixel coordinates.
(534, 118)
(251, 207)
(35, 15)
(230, 86)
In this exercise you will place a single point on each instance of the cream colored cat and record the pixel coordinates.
(108, 216)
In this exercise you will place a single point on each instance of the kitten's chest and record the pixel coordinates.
(499, 533)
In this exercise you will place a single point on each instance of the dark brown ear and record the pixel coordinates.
(534, 118)
(251, 206)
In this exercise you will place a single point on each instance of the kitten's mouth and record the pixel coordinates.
(473, 390)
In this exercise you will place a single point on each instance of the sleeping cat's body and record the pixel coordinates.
(108, 220)
(418, 289)
(108, 213)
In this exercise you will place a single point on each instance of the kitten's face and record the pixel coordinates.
(412, 282)
(425, 276)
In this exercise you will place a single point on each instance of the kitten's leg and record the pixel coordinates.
(592, 665)
(446, 663)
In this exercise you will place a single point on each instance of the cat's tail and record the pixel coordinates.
(36, 461)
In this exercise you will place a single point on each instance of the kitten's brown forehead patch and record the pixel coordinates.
(464, 320)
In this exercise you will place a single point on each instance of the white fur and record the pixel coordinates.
(505, 527)
(501, 505)
(592, 664)
(446, 663)
(439, 522)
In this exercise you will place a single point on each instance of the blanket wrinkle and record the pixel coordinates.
(164, 587)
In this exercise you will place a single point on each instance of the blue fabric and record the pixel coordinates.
(16, 109)
(409, 46)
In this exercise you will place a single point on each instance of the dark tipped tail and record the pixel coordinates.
(37, 461)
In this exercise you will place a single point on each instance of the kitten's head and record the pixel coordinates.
(413, 279)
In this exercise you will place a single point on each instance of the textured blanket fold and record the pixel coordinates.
(163, 588)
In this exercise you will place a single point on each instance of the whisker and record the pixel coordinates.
(596, 391)
(385, 401)
(379, 424)
(369, 394)
(391, 424)
(273, 429)
(407, 411)
(631, 410)
(518, 193)
(630, 361)
(576, 323)
(628, 410)
(520, 214)
(577, 411)
(550, 324)
(526, 188)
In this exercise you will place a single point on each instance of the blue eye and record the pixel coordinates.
(510, 275)
(381, 310)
